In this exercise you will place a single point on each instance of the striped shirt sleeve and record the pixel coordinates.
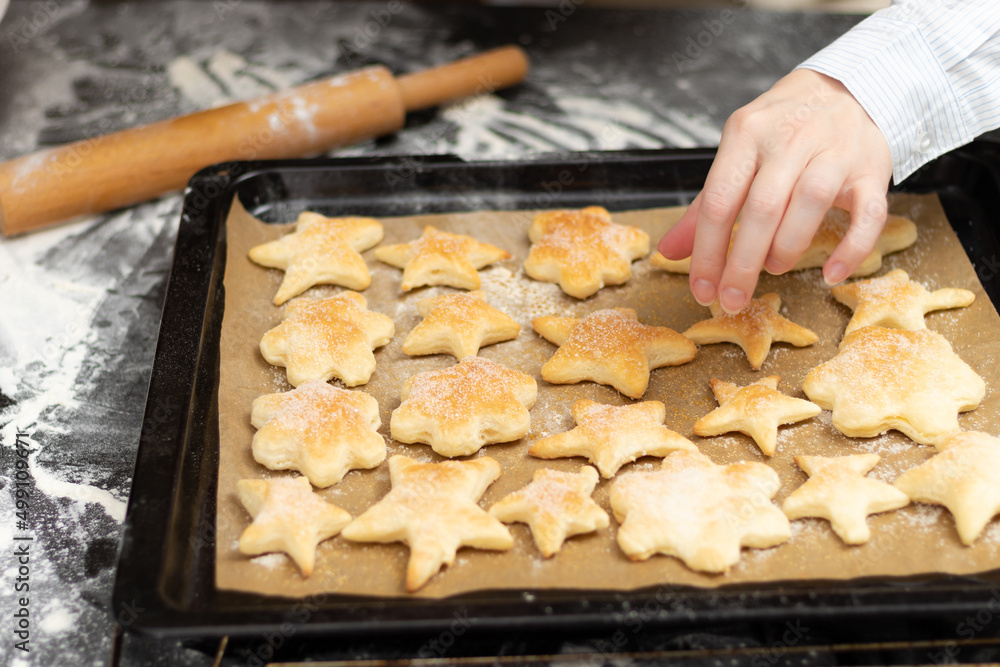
(926, 71)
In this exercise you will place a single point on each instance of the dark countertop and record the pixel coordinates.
(81, 302)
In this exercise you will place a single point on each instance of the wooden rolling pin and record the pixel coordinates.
(108, 172)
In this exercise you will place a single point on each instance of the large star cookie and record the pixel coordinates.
(756, 410)
(754, 329)
(327, 338)
(893, 300)
(611, 436)
(321, 251)
(612, 347)
(432, 508)
(964, 477)
(288, 517)
(319, 430)
(898, 233)
(583, 250)
(458, 324)
(440, 258)
(697, 511)
(885, 379)
(555, 505)
(838, 491)
(459, 409)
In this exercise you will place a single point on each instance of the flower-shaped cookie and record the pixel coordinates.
(612, 347)
(432, 508)
(583, 250)
(321, 251)
(440, 258)
(459, 409)
(754, 329)
(458, 324)
(328, 338)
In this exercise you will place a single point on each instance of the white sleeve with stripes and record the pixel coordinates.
(926, 71)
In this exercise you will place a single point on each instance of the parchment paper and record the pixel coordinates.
(916, 539)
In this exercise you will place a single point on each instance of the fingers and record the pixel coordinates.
(869, 209)
(679, 241)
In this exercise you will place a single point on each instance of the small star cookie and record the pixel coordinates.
(898, 233)
(964, 477)
(611, 436)
(288, 517)
(319, 430)
(459, 409)
(611, 347)
(321, 251)
(321, 339)
(458, 324)
(697, 511)
(838, 491)
(440, 258)
(432, 507)
(893, 300)
(885, 379)
(555, 505)
(756, 410)
(583, 250)
(754, 329)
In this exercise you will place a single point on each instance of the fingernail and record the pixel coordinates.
(836, 273)
(703, 291)
(732, 300)
(774, 267)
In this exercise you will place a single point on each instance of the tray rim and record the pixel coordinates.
(164, 443)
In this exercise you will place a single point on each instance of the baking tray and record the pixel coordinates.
(167, 558)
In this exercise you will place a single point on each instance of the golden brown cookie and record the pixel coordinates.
(319, 430)
(697, 511)
(611, 436)
(440, 258)
(555, 505)
(458, 324)
(898, 233)
(885, 379)
(459, 409)
(288, 517)
(754, 329)
(893, 300)
(432, 509)
(838, 491)
(756, 410)
(964, 477)
(583, 250)
(321, 339)
(321, 251)
(611, 347)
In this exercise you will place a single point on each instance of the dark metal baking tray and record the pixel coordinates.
(168, 551)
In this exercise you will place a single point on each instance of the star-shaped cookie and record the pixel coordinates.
(754, 329)
(321, 251)
(440, 258)
(838, 491)
(555, 505)
(697, 511)
(432, 508)
(893, 300)
(611, 435)
(459, 409)
(319, 430)
(321, 339)
(583, 250)
(611, 347)
(756, 410)
(964, 477)
(898, 233)
(458, 324)
(288, 517)
(885, 379)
